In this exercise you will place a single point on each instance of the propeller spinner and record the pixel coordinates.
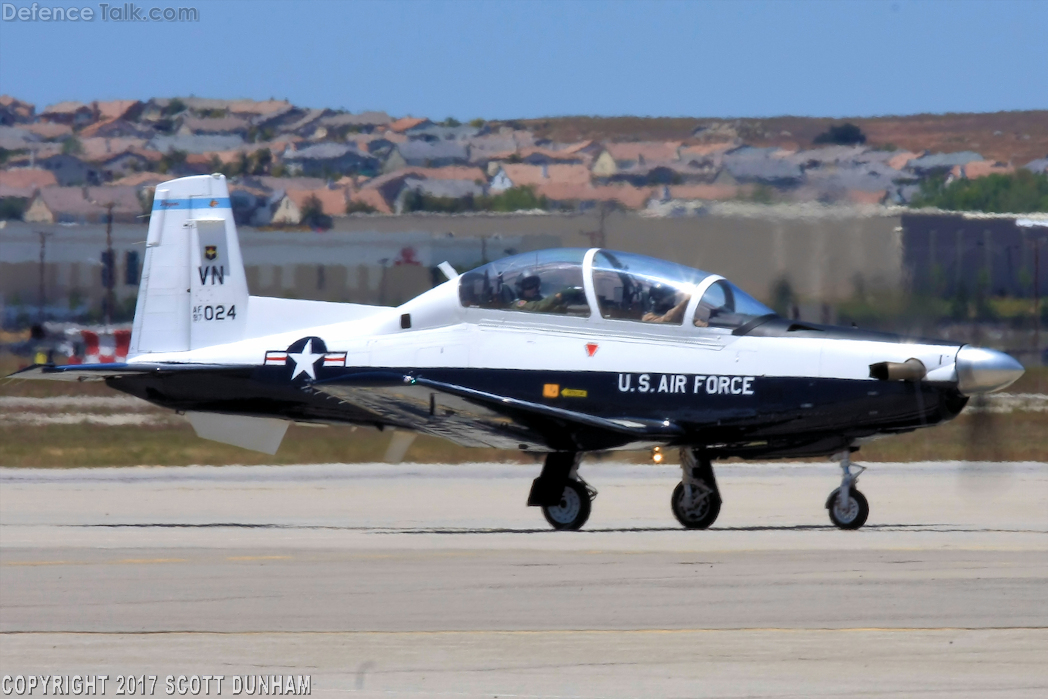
(982, 370)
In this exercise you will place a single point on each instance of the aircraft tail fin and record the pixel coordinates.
(194, 291)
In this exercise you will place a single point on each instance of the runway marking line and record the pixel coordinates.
(536, 632)
(258, 558)
(123, 561)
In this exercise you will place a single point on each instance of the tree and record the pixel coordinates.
(313, 215)
(452, 121)
(172, 160)
(359, 207)
(72, 146)
(1018, 193)
(175, 106)
(846, 134)
(782, 297)
(12, 208)
(514, 199)
(477, 123)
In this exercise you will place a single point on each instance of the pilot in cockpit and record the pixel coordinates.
(667, 305)
(529, 291)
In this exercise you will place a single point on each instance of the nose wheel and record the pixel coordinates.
(848, 507)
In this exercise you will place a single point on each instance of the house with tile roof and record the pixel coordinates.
(117, 128)
(288, 207)
(438, 189)
(15, 111)
(128, 162)
(15, 138)
(70, 170)
(521, 175)
(933, 163)
(1039, 166)
(125, 200)
(193, 143)
(228, 125)
(370, 199)
(365, 122)
(49, 131)
(28, 178)
(63, 205)
(405, 124)
(981, 168)
(128, 110)
(73, 114)
(426, 154)
(327, 159)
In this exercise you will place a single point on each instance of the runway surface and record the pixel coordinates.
(425, 580)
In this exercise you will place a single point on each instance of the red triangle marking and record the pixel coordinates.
(591, 348)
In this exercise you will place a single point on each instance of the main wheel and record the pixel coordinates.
(853, 515)
(700, 513)
(573, 509)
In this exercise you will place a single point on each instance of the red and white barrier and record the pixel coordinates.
(103, 347)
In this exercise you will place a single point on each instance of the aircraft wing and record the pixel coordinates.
(477, 418)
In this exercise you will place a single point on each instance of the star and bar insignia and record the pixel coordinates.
(305, 355)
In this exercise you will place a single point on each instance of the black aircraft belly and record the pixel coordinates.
(506, 409)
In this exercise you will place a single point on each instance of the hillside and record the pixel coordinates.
(1018, 137)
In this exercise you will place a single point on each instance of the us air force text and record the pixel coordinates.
(686, 383)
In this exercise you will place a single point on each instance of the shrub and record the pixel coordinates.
(846, 134)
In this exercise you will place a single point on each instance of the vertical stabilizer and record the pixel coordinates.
(193, 292)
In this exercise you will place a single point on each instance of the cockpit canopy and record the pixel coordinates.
(627, 287)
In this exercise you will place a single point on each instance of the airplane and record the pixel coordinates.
(557, 352)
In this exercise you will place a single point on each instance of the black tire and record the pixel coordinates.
(701, 517)
(855, 515)
(573, 509)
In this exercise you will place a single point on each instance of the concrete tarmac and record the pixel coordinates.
(426, 580)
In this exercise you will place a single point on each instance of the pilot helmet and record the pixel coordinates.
(661, 296)
(529, 281)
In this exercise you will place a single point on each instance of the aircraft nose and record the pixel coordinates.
(985, 370)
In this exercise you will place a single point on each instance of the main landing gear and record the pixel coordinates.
(848, 507)
(696, 500)
(563, 496)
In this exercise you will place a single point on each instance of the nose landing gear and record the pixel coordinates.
(847, 506)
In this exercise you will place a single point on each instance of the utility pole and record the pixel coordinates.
(597, 238)
(109, 266)
(1039, 231)
(1037, 298)
(41, 298)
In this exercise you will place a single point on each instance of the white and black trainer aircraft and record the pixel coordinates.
(559, 352)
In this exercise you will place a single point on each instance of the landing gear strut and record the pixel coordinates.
(848, 507)
(563, 496)
(696, 500)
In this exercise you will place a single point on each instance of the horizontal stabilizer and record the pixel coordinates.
(75, 372)
(101, 372)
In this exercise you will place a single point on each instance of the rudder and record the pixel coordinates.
(193, 291)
